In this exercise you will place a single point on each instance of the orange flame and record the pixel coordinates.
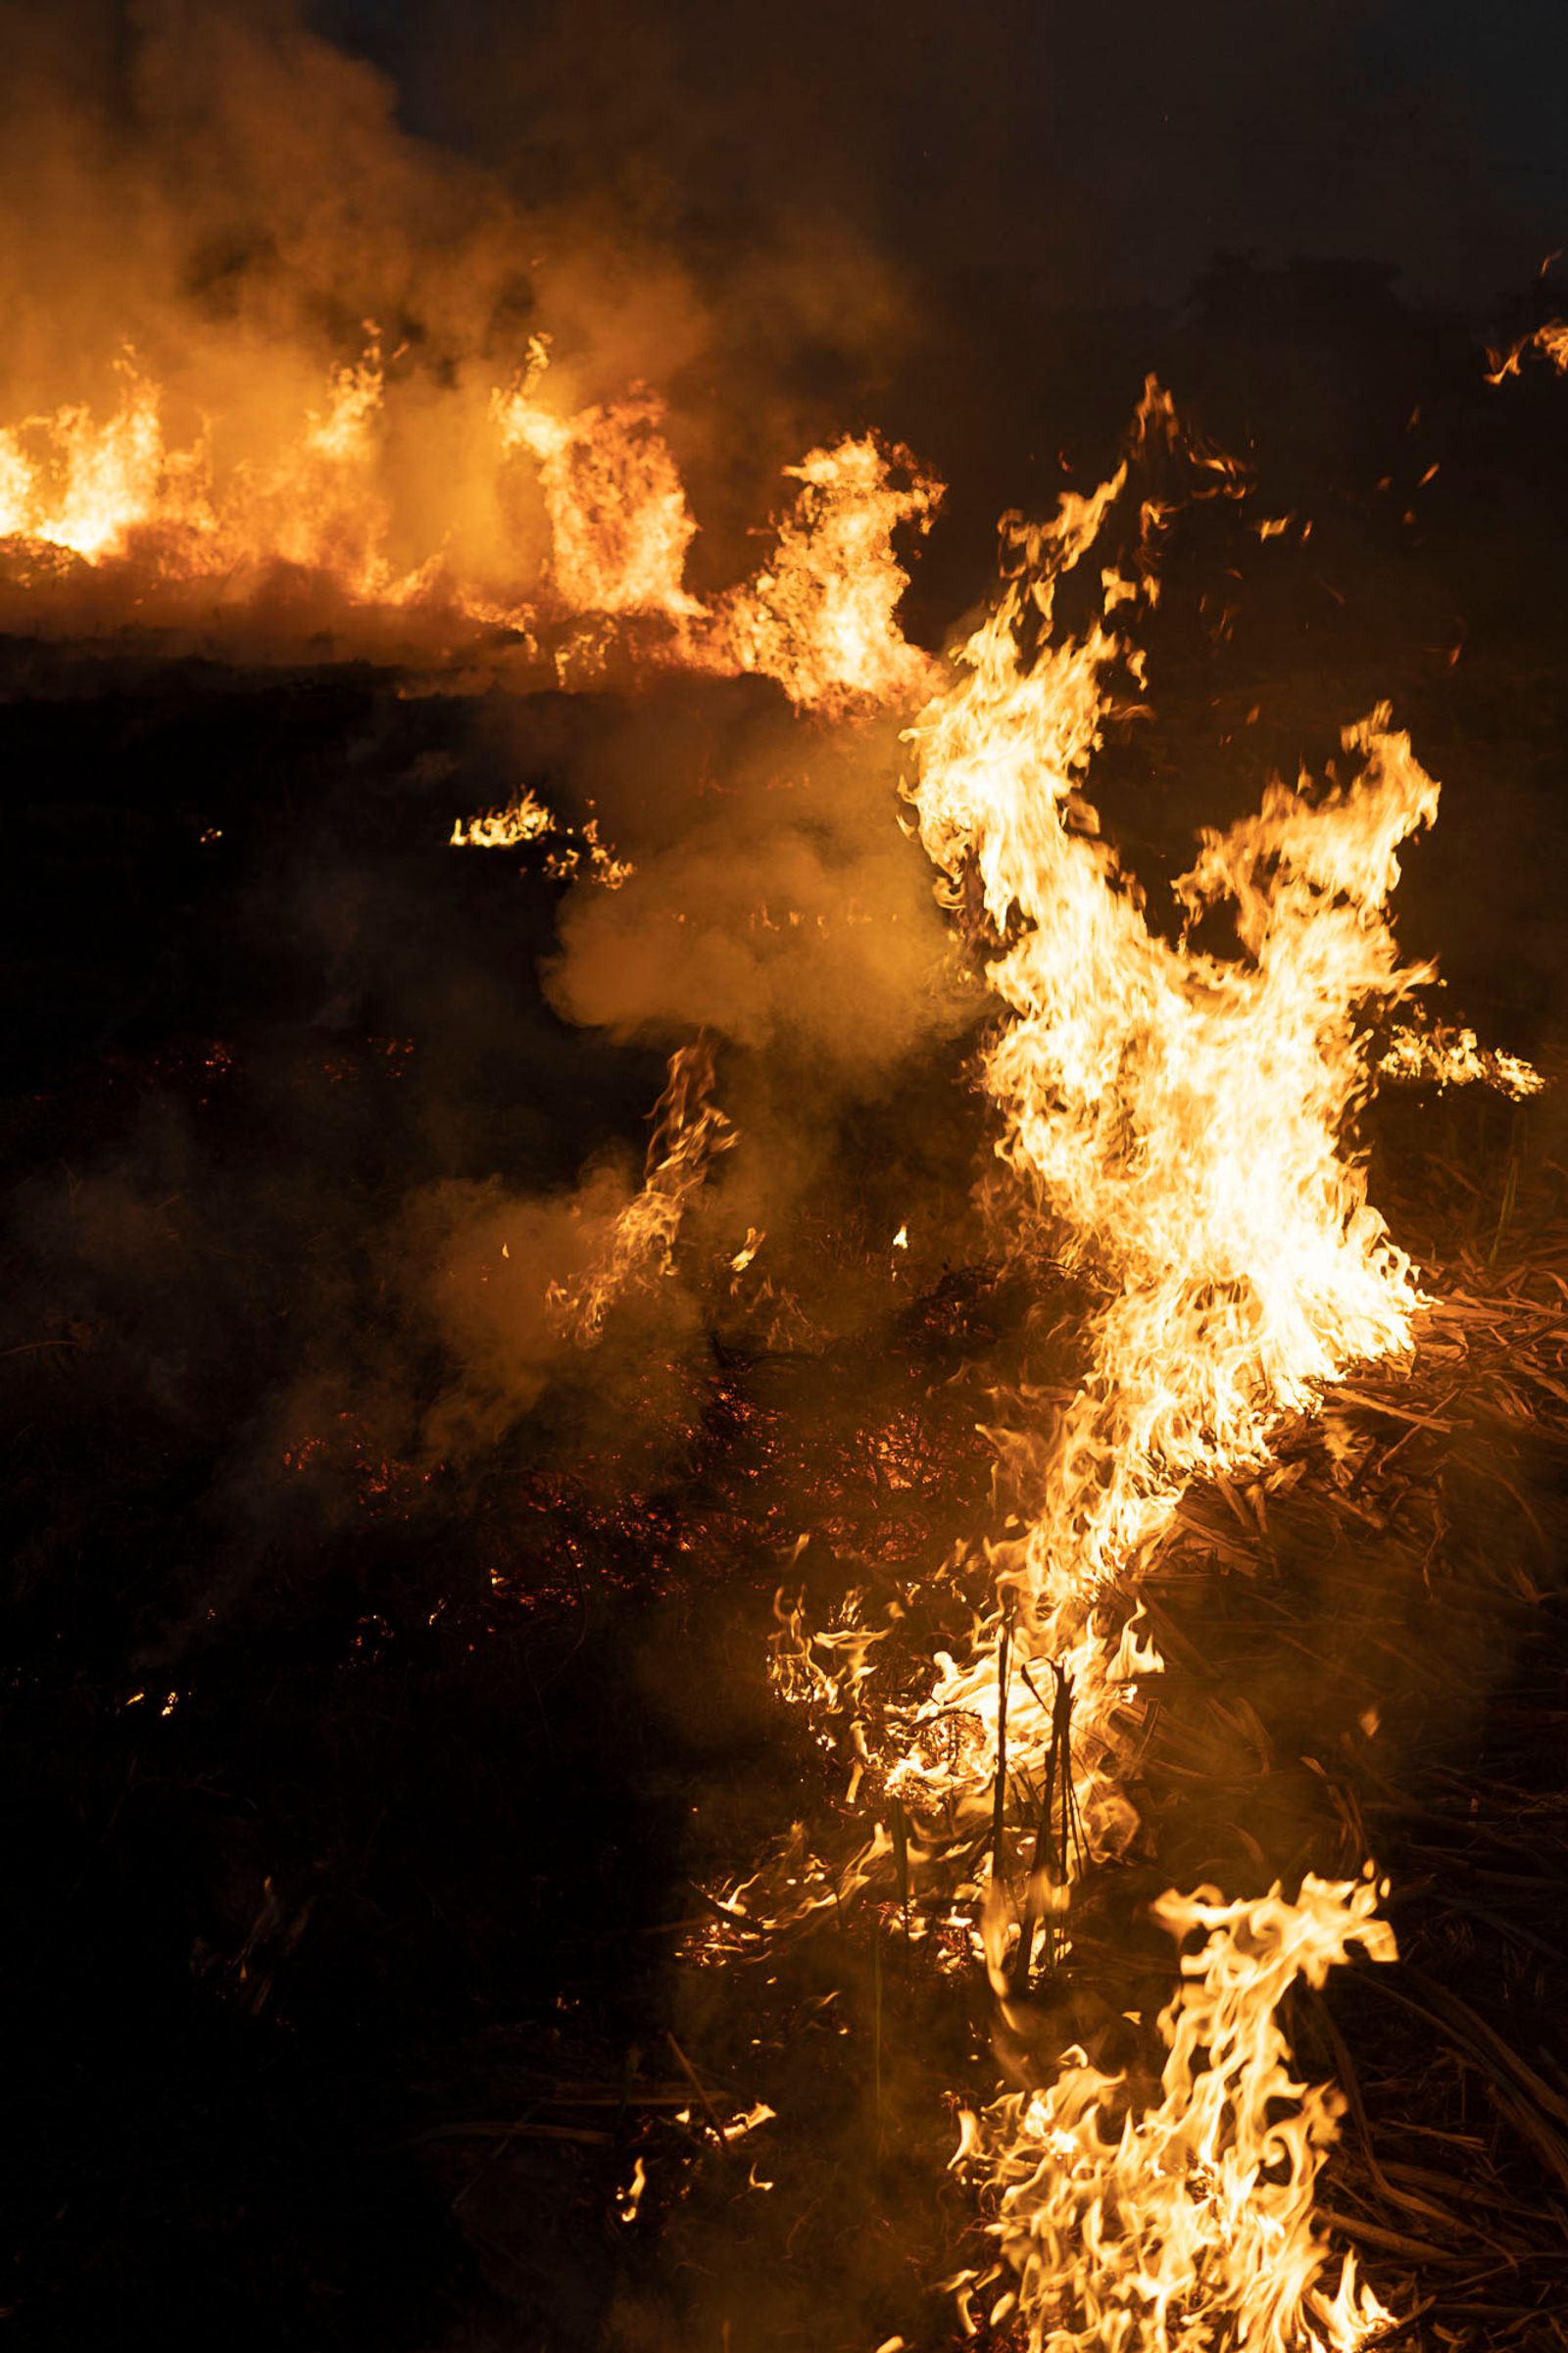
(1177, 1115)
(1188, 2224)
(80, 486)
(1552, 339)
(1441, 1056)
(1174, 1119)
(821, 617)
(690, 1131)
(617, 508)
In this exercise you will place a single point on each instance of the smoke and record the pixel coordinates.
(230, 202)
(774, 899)
(229, 184)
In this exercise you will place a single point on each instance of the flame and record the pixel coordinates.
(1551, 339)
(526, 820)
(1174, 1121)
(113, 489)
(1455, 1057)
(690, 1131)
(76, 485)
(822, 617)
(1177, 1115)
(819, 617)
(580, 852)
(1186, 2224)
(617, 508)
(633, 2197)
(755, 1239)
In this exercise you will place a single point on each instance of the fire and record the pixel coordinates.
(580, 852)
(1177, 1115)
(526, 820)
(113, 490)
(617, 504)
(819, 617)
(1455, 1057)
(743, 1257)
(81, 485)
(1174, 1122)
(690, 1131)
(1551, 339)
(1188, 2224)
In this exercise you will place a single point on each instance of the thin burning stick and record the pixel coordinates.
(900, 1824)
(1051, 1854)
(696, 2082)
(998, 1856)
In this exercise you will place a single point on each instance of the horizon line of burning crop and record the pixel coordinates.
(818, 615)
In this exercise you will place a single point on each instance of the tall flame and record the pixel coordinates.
(1177, 1115)
(1175, 1120)
(690, 1131)
(617, 504)
(1186, 2224)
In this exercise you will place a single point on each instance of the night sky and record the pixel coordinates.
(1095, 156)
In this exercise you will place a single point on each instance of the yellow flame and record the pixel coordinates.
(822, 617)
(1551, 339)
(633, 2197)
(1177, 1115)
(526, 820)
(1186, 2224)
(1454, 1057)
(1173, 1119)
(690, 1132)
(81, 486)
(616, 504)
(819, 617)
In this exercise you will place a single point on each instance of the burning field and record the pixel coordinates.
(789, 1320)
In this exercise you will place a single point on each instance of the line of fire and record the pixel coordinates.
(785, 1181)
